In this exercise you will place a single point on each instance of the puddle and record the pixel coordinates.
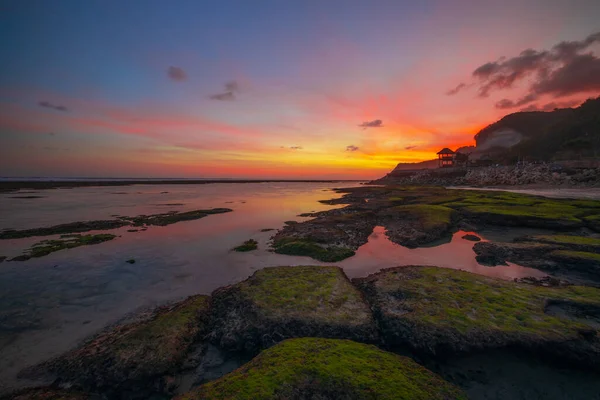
(456, 253)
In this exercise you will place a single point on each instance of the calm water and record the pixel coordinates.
(48, 305)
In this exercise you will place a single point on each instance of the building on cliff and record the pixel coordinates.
(446, 157)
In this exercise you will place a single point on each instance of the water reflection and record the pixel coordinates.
(48, 305)
(456, 253)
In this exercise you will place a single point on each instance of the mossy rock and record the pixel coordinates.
(46, 393)
(136, 356)
(331, 236)
(549, 216)
(417, 224)
(85, 226)
(436, 310)
(70, 241)
(593, 222)
(571, 242)
(248, 245)
(314, 368)
(582, 261)
(283, 302)
(532, 254)
(314, 250)
(556, 253)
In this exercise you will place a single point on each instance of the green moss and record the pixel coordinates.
(322, 291)
(248, 245)
(173, 217)
(328, 369)
(568, 239)
(430, 217)
(137, 352)
(580, 255)
(450, 300)
(46, 247)
(165, 337)
(303, 247)
(550, 212)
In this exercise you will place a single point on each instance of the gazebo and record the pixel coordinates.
(446, 158)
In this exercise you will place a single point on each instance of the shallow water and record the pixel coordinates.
(49, 304)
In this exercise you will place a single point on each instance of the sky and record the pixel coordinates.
(259, 89)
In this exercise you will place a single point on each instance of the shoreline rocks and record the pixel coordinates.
(277, 303)
(439, 311)
(136, 357)
(328, 369)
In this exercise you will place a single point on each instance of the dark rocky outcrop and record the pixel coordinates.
(285, 302)
(135, 358)
(442, 311)
(327, 369)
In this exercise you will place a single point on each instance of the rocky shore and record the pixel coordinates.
(311, 333)
(516, 175)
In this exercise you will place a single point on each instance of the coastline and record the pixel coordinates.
(15, 185)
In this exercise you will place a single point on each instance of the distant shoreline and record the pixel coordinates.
(14, 185)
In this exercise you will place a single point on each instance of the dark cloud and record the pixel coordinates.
(552, 106)
(409, 147)
(295, 147)
(561, 71)
(177, 74)
(376, 123)
(457, 89)
(351, 148)
(227, 96)
(506, 103)
(56, 107)
(231, 89)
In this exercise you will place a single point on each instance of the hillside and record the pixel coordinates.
(562, 134)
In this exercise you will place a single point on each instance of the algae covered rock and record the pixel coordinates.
(283, 302)
(312, 368)
(572, 242)
(331, 236)
(527, 253)
(135, 356)
(416, 224)
(562, 253)
(436, 310)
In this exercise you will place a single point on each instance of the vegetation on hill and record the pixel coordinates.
(562, 134)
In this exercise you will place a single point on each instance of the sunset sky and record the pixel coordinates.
(276, 89)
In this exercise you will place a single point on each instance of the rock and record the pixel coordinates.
(443, 311)
(49, 394)
(528, 254)
(130, 261)
(329, 237)
(135, 357)
(327, 369)
(571, 242)
(472, 238)
(538, 216)
(248, 245)
(85, 226)
(416, 224)
(71, 241)
(585, 262)
(547, 281)
(284, 302)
